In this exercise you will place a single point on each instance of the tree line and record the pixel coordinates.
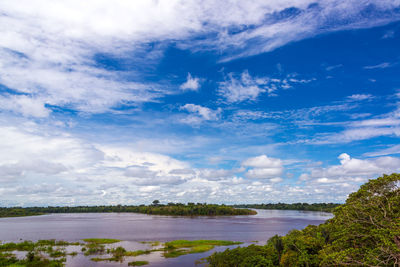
(325, 207)
(365, 231)
(174, 209)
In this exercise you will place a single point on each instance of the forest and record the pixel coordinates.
(325, 207)
(365, 231)
(174, 209)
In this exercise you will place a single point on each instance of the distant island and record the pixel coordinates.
(172, 209)
(325, 207)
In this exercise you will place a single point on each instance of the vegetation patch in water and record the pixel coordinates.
(138, 263)
(138, 252)
(178, 248)
(101, 240)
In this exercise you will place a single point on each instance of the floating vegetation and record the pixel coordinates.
(138, 263)
(178, 248)
(101, 240)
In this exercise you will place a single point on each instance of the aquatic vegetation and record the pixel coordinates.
(138, 252)
(178, 248)
(101, 240)
(53, 253)
(138, 263)
(94, 248)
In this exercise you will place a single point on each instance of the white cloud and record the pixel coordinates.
(263, 167)
(25, 105)
(354, 170)
(244, 87)
(383, 65)
(360, 97)
(200, 114)
(48, 49)
(382, 152)
(262, 162)
(191, 84)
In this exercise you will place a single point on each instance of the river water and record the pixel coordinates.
(133, 228)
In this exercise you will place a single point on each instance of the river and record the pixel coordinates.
(133, 228)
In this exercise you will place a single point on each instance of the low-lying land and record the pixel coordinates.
(365, 231)
(53, 253)
(173, 209)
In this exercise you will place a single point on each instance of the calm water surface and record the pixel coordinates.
(133, 228)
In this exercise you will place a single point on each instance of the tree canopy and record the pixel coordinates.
(365, 231)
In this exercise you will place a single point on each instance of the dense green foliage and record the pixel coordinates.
(326, 207)
(174, 209)
(365, 231)
(17, 212)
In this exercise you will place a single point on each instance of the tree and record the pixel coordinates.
(156, 202)
(366, 230)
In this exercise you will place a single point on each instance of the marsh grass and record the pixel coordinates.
(53, 253)
(138, 252)
(138, 263)
(178, 248)
(101, 240)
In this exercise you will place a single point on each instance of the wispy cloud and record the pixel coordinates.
(199, 114)
(383, 152)
(383, 65)
(48, 49)
(245, 87)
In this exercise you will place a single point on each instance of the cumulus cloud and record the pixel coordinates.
(353, 170)
(191, 84)
(264, 167)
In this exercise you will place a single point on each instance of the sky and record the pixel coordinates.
(124, 102)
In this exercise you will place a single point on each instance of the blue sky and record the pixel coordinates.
(109, 102)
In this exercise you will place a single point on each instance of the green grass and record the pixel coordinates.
(194, 243)
(137, 253)
(178, 248)
(201, 248)
(138, 263)
(101, 240)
